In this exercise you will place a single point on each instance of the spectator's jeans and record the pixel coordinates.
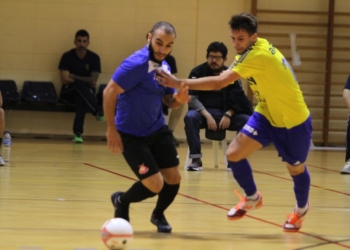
(194, 121)
(84, 98)
(347, 155)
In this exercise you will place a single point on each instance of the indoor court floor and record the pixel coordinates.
(55, 195)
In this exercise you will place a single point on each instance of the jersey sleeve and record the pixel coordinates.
(96, 66)
(129, 73)
(64, 62)
(172, 63)
(250, 64)
(169, 91)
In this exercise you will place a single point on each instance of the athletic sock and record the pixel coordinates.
(302, 188)
(166, 197)
(137, 192)
(243, 174)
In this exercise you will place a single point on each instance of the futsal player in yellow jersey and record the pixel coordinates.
(281, 116)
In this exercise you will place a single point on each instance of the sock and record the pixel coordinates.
(302, 188)
(243, 174)
(166, 197)
(138, 192)
(0, 141)
(253, 197)
(301, 211)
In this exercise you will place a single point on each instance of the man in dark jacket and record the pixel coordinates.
(226, 109)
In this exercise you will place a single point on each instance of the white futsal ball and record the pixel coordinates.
(116, 233)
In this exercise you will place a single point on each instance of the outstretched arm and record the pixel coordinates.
(205, 83)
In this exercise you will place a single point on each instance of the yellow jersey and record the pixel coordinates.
(273, 83)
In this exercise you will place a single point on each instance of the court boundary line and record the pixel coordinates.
(223, 208)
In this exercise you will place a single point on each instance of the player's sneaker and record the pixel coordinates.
(294, 221)
(121, 210)
(196, 165)
(346, 168)
(238, 211)
(161, 223)
(78, 139)
(2, 163)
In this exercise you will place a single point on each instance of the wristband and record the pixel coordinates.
(227, 115)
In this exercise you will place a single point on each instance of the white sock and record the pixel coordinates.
(253, 197)
(301, 211)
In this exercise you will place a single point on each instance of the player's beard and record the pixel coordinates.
(152, 52)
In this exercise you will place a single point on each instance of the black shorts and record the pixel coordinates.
(146, 155)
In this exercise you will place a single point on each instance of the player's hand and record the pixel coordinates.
(114, 141)
(224, 123)
(182, 95)
(211, 123)
(165, 79)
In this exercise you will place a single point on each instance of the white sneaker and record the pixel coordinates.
(2, 163)
(346, 168)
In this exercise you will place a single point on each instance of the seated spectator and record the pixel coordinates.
(79, 71)
(346, 96)
(226, 109)
(2, 127)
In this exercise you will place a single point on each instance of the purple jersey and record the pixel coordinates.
(139, 108)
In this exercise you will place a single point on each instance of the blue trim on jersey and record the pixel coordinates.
(139, 108)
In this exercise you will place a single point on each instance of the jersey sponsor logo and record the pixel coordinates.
(251, 81)
(272, 49)
(143, 169)
(286, 65)
(250, 130)
(153, 65)
(297, 163)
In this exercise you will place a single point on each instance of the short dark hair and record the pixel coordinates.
(217, 47)
(82, 33)
(168, 28)
(244, 21)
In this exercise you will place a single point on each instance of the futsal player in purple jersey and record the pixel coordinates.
(136, 125)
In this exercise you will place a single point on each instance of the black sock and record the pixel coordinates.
(138, 192)
(0, 141)
(166, 197)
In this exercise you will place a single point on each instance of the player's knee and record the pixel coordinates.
(2, 114)
(174, 179)
(296, 170)
(233, 155)
(156, 186)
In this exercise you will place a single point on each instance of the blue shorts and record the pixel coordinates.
(292, 144)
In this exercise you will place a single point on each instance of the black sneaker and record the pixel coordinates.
(196, 165)
(161, 223)
(176, 142)
(121, 210)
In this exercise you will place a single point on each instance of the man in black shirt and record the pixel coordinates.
(228, 108)
(79, 70)
(2, 127)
